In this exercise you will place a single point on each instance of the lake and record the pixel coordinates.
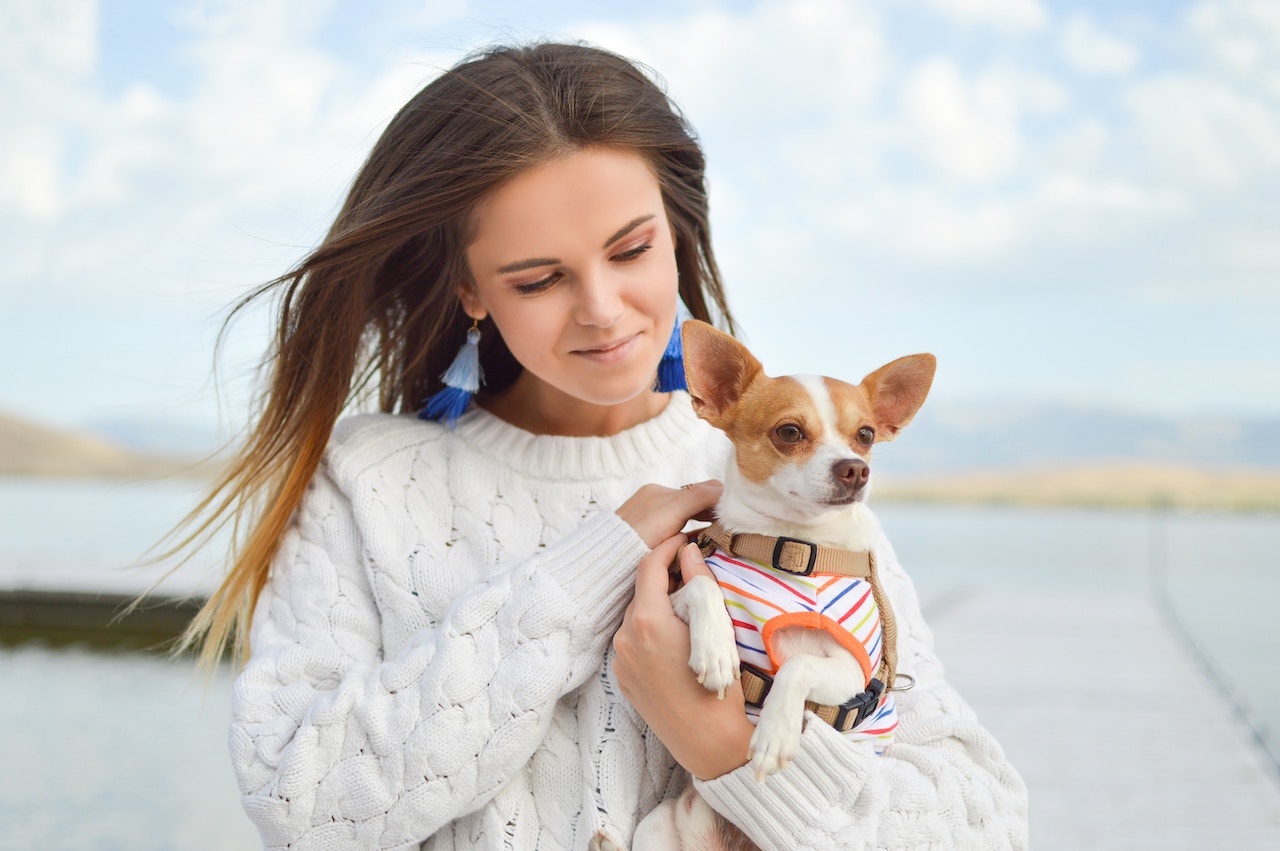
(128, 751)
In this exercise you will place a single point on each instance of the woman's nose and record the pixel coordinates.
(599, 301)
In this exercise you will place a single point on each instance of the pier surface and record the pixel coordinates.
(1118, 731)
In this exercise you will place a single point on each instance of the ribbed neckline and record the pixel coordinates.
(576, 458)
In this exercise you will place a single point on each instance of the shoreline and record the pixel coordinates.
(61, 618)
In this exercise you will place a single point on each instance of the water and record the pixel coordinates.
(128, 751)
(90, 533)
(1217, 576)
(115, 751)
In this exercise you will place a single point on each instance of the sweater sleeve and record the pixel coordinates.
(943, 784)
(335, 746)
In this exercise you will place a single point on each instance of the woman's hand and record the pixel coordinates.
(707, 735)
(657, 513)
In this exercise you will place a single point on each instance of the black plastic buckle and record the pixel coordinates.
(777, 554)
(863, 704)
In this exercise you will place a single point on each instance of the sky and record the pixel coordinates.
(1068, 203)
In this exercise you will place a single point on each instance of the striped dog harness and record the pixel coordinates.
(772, 583)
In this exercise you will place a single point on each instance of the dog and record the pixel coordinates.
(796, 609)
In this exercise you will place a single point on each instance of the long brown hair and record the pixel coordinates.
(375, 306)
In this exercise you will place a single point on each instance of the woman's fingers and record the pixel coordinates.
(658, 512)
(652, 574)
(692, 564)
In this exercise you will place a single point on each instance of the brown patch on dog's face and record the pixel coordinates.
(775, 422)
(854, 415)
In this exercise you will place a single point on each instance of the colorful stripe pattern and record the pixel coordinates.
(761, 598)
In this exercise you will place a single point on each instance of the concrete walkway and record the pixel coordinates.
(1111, 722)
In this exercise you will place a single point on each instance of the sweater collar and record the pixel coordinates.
(631, 451)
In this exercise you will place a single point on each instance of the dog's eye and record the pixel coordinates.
(789, 433)
(866, 435)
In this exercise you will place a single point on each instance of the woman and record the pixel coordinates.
(461, 636)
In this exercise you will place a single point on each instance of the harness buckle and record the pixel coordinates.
(781, 550)
(861, 704)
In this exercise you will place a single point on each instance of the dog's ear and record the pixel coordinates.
(717, 369)
(897, 391)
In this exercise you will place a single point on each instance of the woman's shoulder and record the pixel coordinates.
(375, 441)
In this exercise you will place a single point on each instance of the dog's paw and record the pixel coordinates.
(715, 661)
(773, 745)
(602, 841)
(713, 653)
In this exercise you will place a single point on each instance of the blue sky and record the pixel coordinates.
(1066, 202)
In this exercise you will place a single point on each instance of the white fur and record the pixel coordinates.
(686, 823)
(794, 501)
(713, 655)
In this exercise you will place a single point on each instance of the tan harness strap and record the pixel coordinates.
(792, 555)
(805, 558)
(888, 629)
(756, 684)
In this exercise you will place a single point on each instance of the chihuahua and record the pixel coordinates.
(795, 610)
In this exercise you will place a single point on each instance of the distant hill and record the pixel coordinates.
(951, 437)
(158, 435)
(1078, 455)
(32, 449)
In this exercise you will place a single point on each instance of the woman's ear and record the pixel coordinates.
(471, 302)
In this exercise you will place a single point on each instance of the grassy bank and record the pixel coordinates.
(1101, 486)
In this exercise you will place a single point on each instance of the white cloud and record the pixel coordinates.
(967, 132)
(1010, 16)
(29, 178)
(1201, 133)
(929, 227)
(801, 61)
(1241, 36)
(1089, 49)
(47, 52)
(1074, 192)
(49, 38)
(162, 191)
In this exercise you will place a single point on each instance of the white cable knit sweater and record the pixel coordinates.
(430, 664)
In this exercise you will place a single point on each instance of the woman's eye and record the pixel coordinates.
(632, 253)
(538, 286)
(866, 435)
(789, 433)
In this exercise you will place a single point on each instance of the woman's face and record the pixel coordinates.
(575, 262)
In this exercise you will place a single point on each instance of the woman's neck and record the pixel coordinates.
(538, 408)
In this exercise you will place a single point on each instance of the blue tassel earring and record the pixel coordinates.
(671, 367)
(462, 379)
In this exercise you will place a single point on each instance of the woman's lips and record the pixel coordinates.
(609, 352)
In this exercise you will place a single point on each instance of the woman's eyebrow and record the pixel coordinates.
(521, 265)
(628, 228)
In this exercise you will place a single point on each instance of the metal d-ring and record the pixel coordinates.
(911, 682)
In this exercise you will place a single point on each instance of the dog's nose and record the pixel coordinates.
(853, 472)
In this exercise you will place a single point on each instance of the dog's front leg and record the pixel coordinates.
(802, 677)
(713, 653)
